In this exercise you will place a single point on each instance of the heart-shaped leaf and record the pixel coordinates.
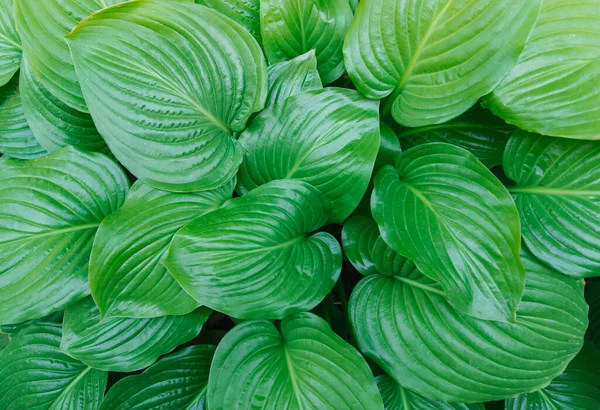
(291, 28)
(50, 210)
(121, 344)
(553, 88)
(592, 295)
(10, 43)
(328, 138)
(179, 136)
(255, 257)
(177, 381)
(303, 366)
(293, 77)
(443, 209)
(358, 238)
(433, 59)
(34, 374)
(127, 276)
(246, 13)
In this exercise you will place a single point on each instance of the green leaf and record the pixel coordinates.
(255, 257)
(206, 74)
(552, 89)
(443, 209)
(433, 59)
(4, 341)
(55, 124)
(577, 388)
(127, 276)
(177, 381)
(592, 295)
(293, 77)
(477, 131)
(396, 397)
(328, 138)
(358, 238)
(389, 148)
(558, 198)
(10, 43)
(50, 209)
(245, 12)
(303, 366)
(11, 329)
(34, 374)
(291, 28)
(121, 344)
(353, 4)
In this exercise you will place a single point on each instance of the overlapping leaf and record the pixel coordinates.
(10, 43)
(245, 12)
(293, 77)
(592, 296)
(358, 238)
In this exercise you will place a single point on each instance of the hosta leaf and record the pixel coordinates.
(353, 4)
(34, 374)
(10, 43)
(177, 381)
(433, 59)
(55, 124)
(552, 89)
(592, 296)
(293, 27)
(50, 209)
(13, 328)
(255, 257)
(4, 341)
(358, 238)
(328, 138)
(121, 344)
(443, 209)
(389, 148)
(244, 12)
(127, 276)
(293, 77)
(558, 198)
(167, 84)
(303, 366)
(477, 130)
(577, 388)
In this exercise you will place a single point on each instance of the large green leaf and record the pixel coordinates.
(177, 381)
(303, 366)
(127, 276)
(328, 138)
(10, 43)
(592, 295)
(245, 12)
(477, 130)
(293, 77)
(50, 209)
(358, 238)
(433, 59)
(55, 124)
(11, 329)
(121, 344)
(255, 257)
(35, 375)
(577, 388)
(206, 74)
(443, 209)
(553, 88)
(558, 198)
(293, 27)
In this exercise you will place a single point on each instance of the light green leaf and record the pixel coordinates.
(577, 388)
(353, 4)
(328, 138)
(206, 74)
(10, 43)
(293, 77)
(35, 375)
(50, 209)
(125, 345)
(292, 27)
(303, 366)
(443, 209)
(553, 88)
(177, 381)
(255, 257)
(477, 131)
(244, 12)
(358, 238)
(127, 276)
(433, 59)
(558, 198)
(592, 295)
(55, 124)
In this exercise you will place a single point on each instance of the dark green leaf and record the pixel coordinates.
(358, 238)
(293, 77)
(592, 295)
(244, 12)
(10, 43)
(389, 148)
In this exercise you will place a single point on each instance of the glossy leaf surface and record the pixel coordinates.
(358, 238)
(244, 12)
(293, 77)
(10, 43)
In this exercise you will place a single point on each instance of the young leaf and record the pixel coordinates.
(34, 374)
(291, 28)
(553, 88)
(50, 210)
(433, 59)
(443, 209)
(328, 138)
(246, 13)
(255, 257)
(293, 77)
(127, 276)
(592, 296)
(558, 198)
(303, 366)
(177, 381)
(167, 84)
(358, 238)
(124, 345)
(10, 43)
